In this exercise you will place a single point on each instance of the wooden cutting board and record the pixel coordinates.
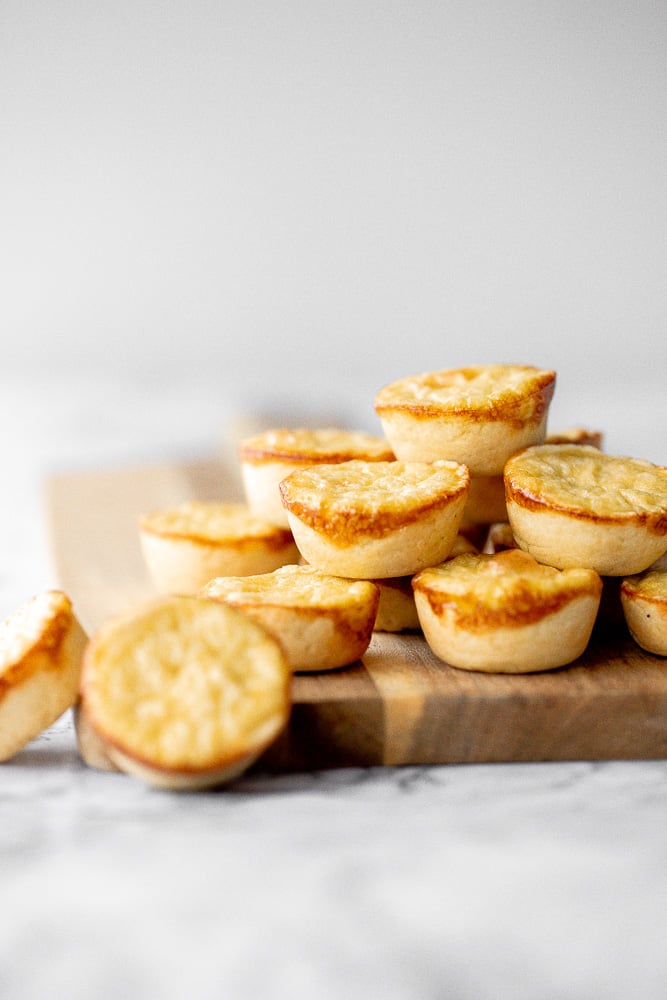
(400, 704)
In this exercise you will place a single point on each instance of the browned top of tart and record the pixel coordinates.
(307, 446)
(356, 500)
(212, 523)
(292, 587)
(511, 393)
(508, 589)
(650, 585)
(575, 435)
(41, 623)
(583, 482)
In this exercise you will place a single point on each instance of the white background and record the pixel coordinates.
(297, 202)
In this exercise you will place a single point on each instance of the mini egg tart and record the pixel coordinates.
(371, 520)
(189, 544)
(644, 602)
(574, 505)
(266, 458)
(478, 416)
(322, 622)
(183, 693)
(506, 613)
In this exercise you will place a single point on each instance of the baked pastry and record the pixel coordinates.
(575, 435)
(184, 693)
(478, 415)
(322, 622)
(499, 538)
(506, 613)
(41, 646)
(268, 457)
(397, 611)
(644, 603)
(371, 520)
(187, 545)
(574, 505)
(486, 501)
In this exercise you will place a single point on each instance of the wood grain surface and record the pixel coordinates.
(400, 704)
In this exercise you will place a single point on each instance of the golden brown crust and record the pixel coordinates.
(505, 590)
(305, 446)
(322, 621)
(357, 500)
(210, 523)
(184, 692)
(644, 603)
(651, 584)
(576, 435)
(39, 654)
(512, 394)
(478, 416)
(41, 648)
(585, 483)
(187, 545)
(506, 613)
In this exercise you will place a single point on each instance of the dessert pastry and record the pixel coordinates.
(573, 505)
(187, 545)
(644, 603)
(486, 501)
(506, 613)
(575, 435)
(41, 647)
(478, 416)
(322, 622)
(499, 538)
(372, 520)
(397, 611)
(184, 693)
(268, 457)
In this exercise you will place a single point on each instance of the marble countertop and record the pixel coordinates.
(544, 880)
